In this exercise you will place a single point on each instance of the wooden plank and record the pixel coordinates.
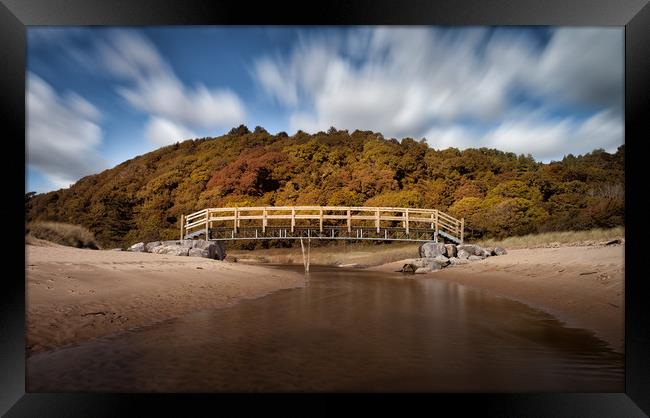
(264, 221)
(335, 217)
(293, 219)
(194, 224)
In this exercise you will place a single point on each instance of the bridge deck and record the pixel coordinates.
(322, 222)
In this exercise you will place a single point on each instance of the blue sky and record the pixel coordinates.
(99, 96)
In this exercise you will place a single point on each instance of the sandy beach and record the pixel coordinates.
(75, 294)
(582, 286)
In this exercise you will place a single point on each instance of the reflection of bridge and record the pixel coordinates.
(322, 222)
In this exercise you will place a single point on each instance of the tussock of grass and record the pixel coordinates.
(64, 234)
(592, 236)
(366, 255)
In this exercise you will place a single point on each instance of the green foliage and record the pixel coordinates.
(499, 194)
(515, 189)
(512, 216)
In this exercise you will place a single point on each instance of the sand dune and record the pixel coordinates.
(582, 286)
(77, 294)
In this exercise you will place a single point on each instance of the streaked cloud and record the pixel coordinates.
(161, 131)
(442, 84)
(113, 93)
(546, 139)
(63, 134)
(154, 88)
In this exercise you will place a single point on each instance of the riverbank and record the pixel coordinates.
(344, 255)
(74, 294)
(580, 285)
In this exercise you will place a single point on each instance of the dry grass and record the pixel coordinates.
(64, 234)
(591, 237)
(360, 254)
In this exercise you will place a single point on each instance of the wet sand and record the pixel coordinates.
(73, 295)
(582, 286)
(349, 330)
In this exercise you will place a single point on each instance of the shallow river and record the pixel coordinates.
(347, 330)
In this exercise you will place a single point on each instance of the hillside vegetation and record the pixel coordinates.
(499, 194)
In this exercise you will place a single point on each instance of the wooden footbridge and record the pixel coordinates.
(321, 222)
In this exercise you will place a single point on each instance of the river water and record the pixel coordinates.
(346, 330)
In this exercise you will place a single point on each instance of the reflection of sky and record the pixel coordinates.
(97, 97)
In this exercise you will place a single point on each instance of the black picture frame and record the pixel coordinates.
(16, 15)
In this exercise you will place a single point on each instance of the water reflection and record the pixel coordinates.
(345, 331)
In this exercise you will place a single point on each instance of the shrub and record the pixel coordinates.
(64, 234)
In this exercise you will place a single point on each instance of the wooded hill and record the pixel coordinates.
(499, 194)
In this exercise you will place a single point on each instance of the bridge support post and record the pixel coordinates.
(264, 221)
(182, 227)
(207, 224)
(320, 218)
(436, 222)
(235, 222)
(406, 221)
(377, 220)
(305, 260)
(293, 219)
(349, 221)
(462, 229)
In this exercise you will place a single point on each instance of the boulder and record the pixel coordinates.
(215, 250)
(442, 260)
(151, 245)
(475, 257)
(472, 249)
(451, 250)
(138, 248)
(409, 268)
(199, 252)
(171, 250)
(220, 250)
(187, 243)
(499, 251)
(463, 254)
(454, 261)
(433, 262)
(422, 270)
(432, 249)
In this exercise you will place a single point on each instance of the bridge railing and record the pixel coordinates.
(320, 218)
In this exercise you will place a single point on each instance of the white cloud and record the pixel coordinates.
(418, 81)
(164, 132)
(545, 139)
(154, 88)
(405, 78)
(583, 66)
(62, 134)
